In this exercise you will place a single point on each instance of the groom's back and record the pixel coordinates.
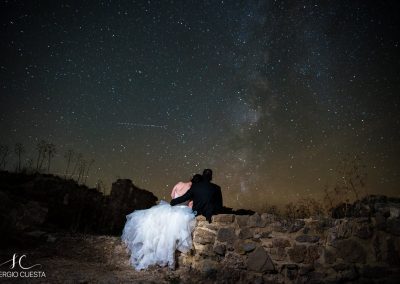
(205, 198)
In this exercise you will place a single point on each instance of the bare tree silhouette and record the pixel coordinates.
(69, 155)
(4, 151)
(78, 159)
(349, 183)
(41, 147)
(19, 150)
(87, 170)
(81, 169)
(29, 165)
(50, 150)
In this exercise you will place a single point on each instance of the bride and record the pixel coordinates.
(152, 235)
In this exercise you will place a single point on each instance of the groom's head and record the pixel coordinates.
(207, 174)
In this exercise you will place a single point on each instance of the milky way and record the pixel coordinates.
(272, 95)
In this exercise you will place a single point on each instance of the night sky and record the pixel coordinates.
(271, 95)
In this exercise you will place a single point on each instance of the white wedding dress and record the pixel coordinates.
(152, 235)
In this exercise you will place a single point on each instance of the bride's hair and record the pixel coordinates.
(196, 178)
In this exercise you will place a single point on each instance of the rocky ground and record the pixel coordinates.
(78, 258)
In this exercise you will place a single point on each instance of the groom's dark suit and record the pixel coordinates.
(206, 196)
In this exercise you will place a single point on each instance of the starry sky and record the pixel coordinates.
(272, 95)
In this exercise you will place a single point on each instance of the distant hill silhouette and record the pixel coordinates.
(35, 202)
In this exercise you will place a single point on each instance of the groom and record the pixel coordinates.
(206, 196)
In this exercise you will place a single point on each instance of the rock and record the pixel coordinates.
(307, 239)
(249, 246)
(373, 271)
(312, 254)
(341, 211)
(203, 236)
(124, 198)
(393, 251)
(219, 249)
(345, 272)
(394, 211)
(256, 221)
(277, 254)
(364, 231)
(243, 247)
(393, 226)
(259, 261)
(204, 250)
(329, 256)
(238, 246)
(343, 229)
(245, 233)
(241, 220)
(200, 218)
(279, 227)
(30, 215)
(36, 234)
(51, 239)
(297, 253)
(226, 235)
(280, 242)
(297, 225)
(380, 221)
(268, 218)
(306, 269)
(291, 271)
(207, 267)
(265, 234)
(350, 251)
(273, 279)
(223, 218)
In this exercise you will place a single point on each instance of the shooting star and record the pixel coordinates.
(142, 125)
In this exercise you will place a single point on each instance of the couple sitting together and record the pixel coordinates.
(152, 235)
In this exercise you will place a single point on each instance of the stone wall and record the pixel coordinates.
(268, 249)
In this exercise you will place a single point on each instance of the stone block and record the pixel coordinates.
(278, 254)
(393, 226)
(256, 221)
(329, 256)
(350, 251)
(203, 250)
(223, 218)
(280, 242)
(241, 220)
(238, 246)
(268, 218)
(245, 233)
(219, 249)
(200, 218)
(226, 235)
(297, 253)
(313, 253)
(259, 261)
(249, 246)
(207, 266)
(296, 226)
(364, 231)
(373, 271)
(291, 271)
(307, 239)
(203, 236)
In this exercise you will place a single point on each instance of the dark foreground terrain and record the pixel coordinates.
(81, 258)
